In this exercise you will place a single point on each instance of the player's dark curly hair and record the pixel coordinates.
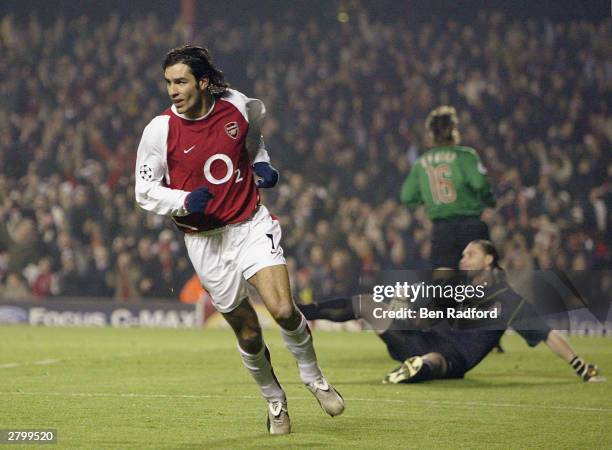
(489, 249)
(443, 123)
(200, 62)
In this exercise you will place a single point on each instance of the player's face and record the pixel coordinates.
(185, 91)
(474, 258)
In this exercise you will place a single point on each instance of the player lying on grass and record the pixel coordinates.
(450, 350)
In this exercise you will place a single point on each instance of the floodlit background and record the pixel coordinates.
(348, 85)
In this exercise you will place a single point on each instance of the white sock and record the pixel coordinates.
(261, 370)
(299, 343)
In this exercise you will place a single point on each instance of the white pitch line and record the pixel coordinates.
(356, 399)
(10, 365)
(42, 362)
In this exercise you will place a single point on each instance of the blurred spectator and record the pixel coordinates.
(25, 247)
(71, 283)
(15, 287)
(151, 281)
(45, 283)
(126, 278)
(346, 106)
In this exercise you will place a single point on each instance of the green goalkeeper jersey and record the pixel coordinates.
(451, 181)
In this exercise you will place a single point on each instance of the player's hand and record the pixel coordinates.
(196, 201)
(267, 175)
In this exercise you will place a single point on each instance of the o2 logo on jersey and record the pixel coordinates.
(229, 166)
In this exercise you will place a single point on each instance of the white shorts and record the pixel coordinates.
(225, 258)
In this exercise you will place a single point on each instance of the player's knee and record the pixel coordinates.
(438, 363)
(250, 340)
(286, 315)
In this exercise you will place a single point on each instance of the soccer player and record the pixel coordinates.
(201, 162)
(451, 181)
(444, 351)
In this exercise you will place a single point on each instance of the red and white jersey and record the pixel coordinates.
(177, 155)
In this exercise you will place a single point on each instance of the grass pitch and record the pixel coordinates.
(157, 388)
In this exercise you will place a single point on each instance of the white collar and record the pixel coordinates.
(182, 116)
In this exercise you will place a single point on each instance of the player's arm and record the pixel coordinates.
(151, 194)
(258, 154)
(476, 176)
(256, 113)
(411, 191)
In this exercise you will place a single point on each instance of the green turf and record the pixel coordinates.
(137, 388)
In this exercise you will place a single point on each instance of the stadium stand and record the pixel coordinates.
(347, 100)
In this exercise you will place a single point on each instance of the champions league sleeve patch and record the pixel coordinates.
(145, 172)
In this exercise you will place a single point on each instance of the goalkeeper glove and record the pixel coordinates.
(196, 201)
(268, 175)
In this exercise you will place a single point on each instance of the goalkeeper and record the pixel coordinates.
(451, 181)
(445, 351)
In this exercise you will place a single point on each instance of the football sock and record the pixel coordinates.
(299, 343)
(336, 310)
(579, 366)
(425, 374)
(260, 367)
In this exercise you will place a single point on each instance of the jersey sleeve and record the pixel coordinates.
(256, 113)
(475, 175)
(411, 191)
(151, 169)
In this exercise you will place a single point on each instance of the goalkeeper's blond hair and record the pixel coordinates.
(443, 125)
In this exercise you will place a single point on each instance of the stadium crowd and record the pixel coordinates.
(346, 106)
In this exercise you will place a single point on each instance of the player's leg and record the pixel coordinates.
(416, 351)
(256, 358)
(443, 254)
(561, 347)
(336, 310)
(263, 265)
(211, 257)
(435, 363)
(272, 284)
(343, 309)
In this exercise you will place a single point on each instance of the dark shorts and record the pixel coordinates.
(535, 336)
(451, 236)
(462, 349)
